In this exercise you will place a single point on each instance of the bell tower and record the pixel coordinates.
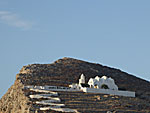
(82, 79)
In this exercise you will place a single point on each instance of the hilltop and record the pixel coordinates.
(66, 71)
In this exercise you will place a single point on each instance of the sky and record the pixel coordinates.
(114, 33)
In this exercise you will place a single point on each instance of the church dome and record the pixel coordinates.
(104, 77)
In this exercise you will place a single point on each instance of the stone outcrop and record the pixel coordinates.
(15, 100)
(64, 72)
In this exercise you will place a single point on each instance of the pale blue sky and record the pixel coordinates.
(115, 33)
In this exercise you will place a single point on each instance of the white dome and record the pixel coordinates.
(97, 78)
(104, 77)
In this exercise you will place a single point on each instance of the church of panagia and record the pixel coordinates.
(97, 85)
(97, 82)
(104, 84)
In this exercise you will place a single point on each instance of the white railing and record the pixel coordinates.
(51, 88)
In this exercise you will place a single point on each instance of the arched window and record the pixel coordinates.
(96, 86)
(104, 86)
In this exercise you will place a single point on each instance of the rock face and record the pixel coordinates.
(66, 71)
(15, 101)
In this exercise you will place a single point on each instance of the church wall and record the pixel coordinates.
(107, 91)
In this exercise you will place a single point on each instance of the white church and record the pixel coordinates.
(102, 85)
(99, 85)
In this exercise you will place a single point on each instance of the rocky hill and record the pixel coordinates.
(67, 71)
